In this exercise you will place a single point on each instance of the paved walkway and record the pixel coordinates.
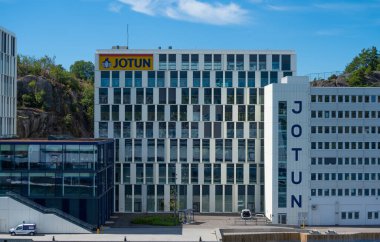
(206, 227)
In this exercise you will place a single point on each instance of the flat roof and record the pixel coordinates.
(194, 51)
(55, 141)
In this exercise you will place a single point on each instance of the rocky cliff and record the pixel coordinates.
(46, 107)
(369, 80)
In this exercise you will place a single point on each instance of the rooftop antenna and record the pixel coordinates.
(128, 36)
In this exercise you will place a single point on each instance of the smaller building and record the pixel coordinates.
(322, 154)
(72, 175)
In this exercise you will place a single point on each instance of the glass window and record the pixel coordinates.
(217, 96)
(160, 79)
(275, 62)
(262, 62)
(115, 79)
(196, 79)
(128, 79)
(185, 61)
(173, 79)
(239, 62)
(205, 79)
(253, 62)
(138, 78)
(217, 62)
(104, 78)
(172, 95)
(151, 79)
(285, 62)
(183, 150)
(162, 96)
(219, 79)
(230, 62)
(103, 95)
(183, 78)
(126, 95)
(185, 96)
(173, 150)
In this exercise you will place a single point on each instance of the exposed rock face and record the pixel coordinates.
(55, 112)
(372, 80)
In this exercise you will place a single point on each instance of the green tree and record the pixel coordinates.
(367, 59)
(361, 66)
(83, 70)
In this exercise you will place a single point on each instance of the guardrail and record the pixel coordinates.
(323, 75)
(57, 212)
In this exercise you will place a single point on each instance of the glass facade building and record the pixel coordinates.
(187, 128)
(75, 176)
(8, 87)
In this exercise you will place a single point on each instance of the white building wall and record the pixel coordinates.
(294, 91)
(340, 157)
(8, 82)
(13, 213)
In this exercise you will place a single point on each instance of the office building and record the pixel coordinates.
(8, 79)
(188, 125)
(322, 154)
(74, 176)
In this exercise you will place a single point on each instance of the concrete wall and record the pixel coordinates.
(13, 213)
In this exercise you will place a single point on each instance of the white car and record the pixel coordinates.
(246, 214)
(24, 229)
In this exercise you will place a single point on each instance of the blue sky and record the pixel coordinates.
(325, 34)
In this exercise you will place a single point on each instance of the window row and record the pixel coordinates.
(52, 157)
(345, 145)
(189, 79)
(345, 192)
(344, 114)
(349, 215)
(217, 61)
(182, 96)
(181, 113)
(157, 197)
(189, 174)
(345, 161)
(186, 151)
(183, 130)
(345, 129)
(345, 98)
(345, 176)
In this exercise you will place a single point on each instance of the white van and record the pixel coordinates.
(25, 229)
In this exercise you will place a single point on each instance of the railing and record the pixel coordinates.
(323, 75)
(57, 212)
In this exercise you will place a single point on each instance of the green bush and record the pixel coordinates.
(159, 219)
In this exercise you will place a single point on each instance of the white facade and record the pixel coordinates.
(13, 213)
(339, 160)
(8, 82)
(191, 128)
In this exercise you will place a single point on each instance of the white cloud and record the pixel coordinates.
(285, 8)
(342, 6)
(191, 10)
(115, 7)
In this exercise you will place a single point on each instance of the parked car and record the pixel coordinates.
(25, 229)
(246, 214)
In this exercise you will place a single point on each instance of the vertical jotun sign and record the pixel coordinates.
(296, 133)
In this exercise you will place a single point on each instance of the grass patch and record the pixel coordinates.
(157, 219)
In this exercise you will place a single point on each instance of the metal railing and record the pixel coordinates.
(57, 212)
(323, 75)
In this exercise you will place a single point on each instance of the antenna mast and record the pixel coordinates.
(128, 36)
